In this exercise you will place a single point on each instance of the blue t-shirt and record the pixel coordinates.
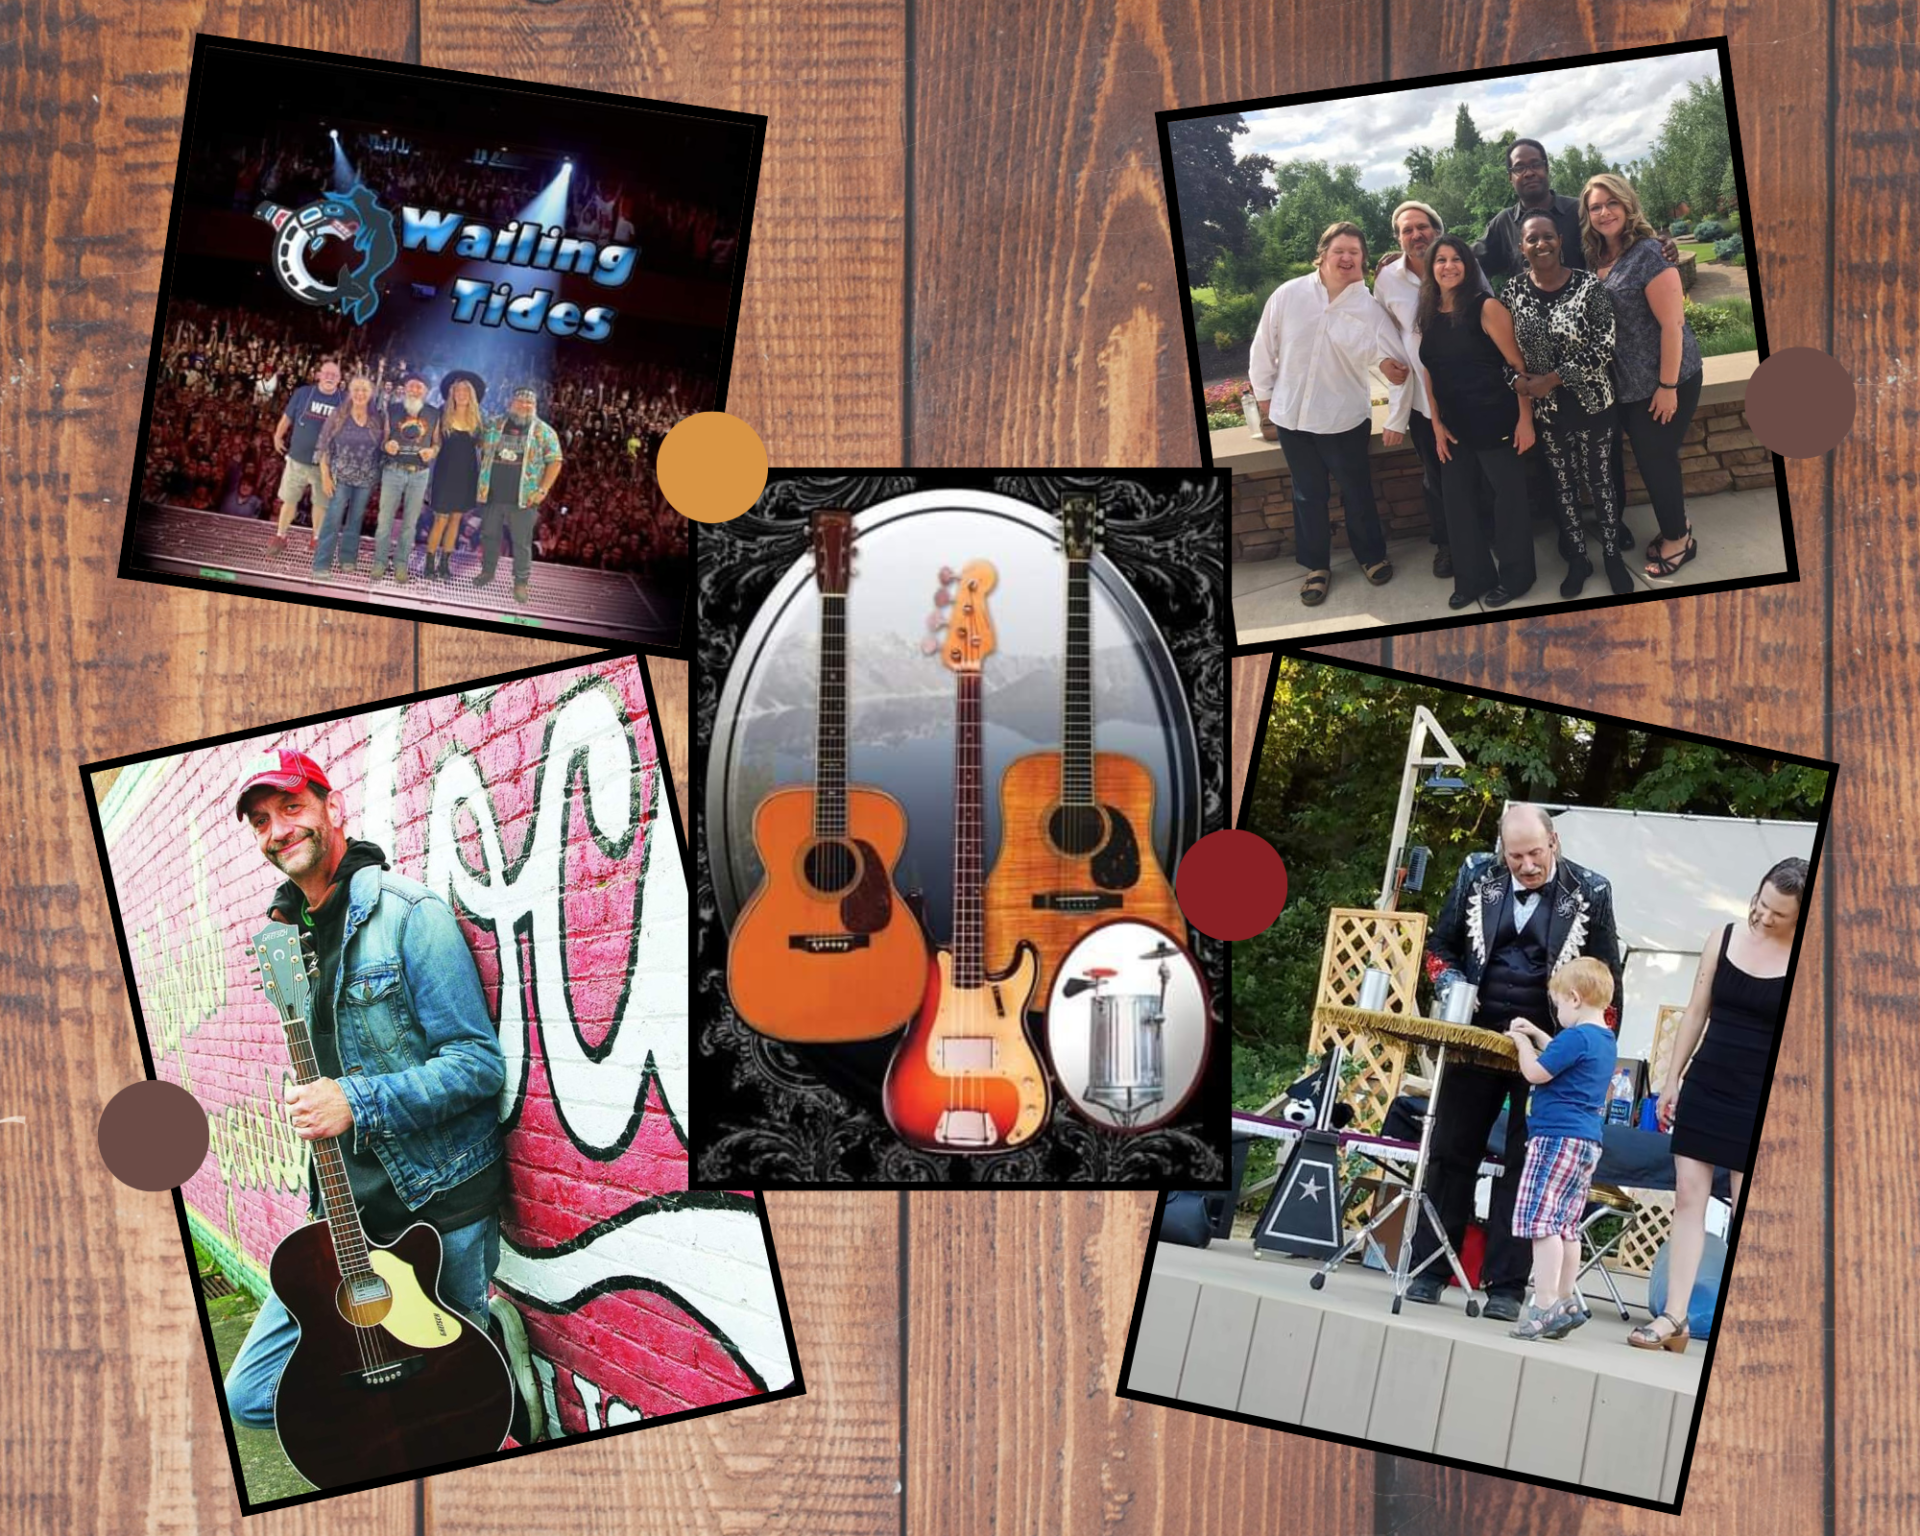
(308, 410)
(1582, 1060)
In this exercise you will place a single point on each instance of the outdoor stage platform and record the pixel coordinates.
(570, 599)
(1223, 1329)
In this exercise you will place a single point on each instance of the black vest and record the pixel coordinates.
(1513, 984)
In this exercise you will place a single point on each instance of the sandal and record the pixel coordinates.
(1666, 565)
(1649, 1336)
(1313, 591)
(1379, 574)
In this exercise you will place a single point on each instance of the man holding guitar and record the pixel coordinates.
(409, 1064)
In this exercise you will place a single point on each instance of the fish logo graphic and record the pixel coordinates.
(354, 216)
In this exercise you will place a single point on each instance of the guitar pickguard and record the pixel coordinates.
(1117, 865)
(413, 1318)
(868, 907)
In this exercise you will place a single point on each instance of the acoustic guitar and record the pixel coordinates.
(965, 1077)
(386, 1379)
(825, 950)
(1076, 826)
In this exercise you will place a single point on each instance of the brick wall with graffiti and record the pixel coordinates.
(539, 810)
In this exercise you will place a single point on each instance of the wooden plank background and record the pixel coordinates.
(961, 257)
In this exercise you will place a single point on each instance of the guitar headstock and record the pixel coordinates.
(1080, 524)
(288, 969)
(960, 608)
(832, 550)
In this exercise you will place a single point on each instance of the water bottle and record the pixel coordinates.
(1620, 1097)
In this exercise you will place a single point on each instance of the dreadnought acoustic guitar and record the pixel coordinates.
(826, 950)
(965, 1077)
(386, 1379)
(1076, 825)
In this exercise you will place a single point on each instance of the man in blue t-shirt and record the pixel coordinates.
(298, 436)
(1570, 1072)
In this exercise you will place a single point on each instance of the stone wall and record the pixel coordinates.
(1719, 453)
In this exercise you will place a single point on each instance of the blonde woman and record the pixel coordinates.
(1656, 358)
(456, 468)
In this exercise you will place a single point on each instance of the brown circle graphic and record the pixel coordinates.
(1800, 403)
(153, 1135)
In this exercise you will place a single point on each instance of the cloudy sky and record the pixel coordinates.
(1618, 107)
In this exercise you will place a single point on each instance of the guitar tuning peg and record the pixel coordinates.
(930, 646)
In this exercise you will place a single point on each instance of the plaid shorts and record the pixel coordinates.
(1554, 1186)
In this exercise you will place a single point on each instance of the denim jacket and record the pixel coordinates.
(420, 1060)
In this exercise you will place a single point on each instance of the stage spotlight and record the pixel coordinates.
(333, 133)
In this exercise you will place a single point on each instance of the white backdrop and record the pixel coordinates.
(1675, 879)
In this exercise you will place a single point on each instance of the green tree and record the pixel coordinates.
(1466, 137)
(1694, 149)
(1216, 191)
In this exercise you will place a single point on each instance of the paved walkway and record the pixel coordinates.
(1739, 533)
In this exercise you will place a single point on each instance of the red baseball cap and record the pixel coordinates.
(284, 769)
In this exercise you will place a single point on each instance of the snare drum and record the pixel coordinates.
(1127, 1062)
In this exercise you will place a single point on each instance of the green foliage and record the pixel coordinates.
(1723, 327)
(1328, 782)
(1733, 245)
(1679, 227)
(1216, 190)
(1709, 229)
(1228, 322)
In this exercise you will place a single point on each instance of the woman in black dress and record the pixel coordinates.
(1563, 320)
(456, 465)
(1741, 985)
(1480, 427)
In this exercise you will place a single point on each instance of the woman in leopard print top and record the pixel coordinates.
(1563, 322)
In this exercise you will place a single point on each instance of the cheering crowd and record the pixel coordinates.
(671, 233)
(226, 379)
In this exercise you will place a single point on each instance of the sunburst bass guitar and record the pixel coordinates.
(826, 951)
(966, 1078)
(386, 1379)
(1076, 826)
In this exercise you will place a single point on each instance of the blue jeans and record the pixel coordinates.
(467, 1260)
(349, 506)
(397, 485)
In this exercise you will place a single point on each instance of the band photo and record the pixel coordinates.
(424, 965)
(1478, 343)
(1501, 1070)
(420, 335)
(952, 736)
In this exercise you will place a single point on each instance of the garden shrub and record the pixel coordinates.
(1679, 227)
(1731, 246)
(1709, 229)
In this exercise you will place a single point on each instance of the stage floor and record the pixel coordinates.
(1224, 1329)
(571, 599)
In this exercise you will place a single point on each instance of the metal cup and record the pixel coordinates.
(1462, 998)
(1373, 989)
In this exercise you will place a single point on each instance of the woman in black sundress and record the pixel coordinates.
(1480, 429)
(1563, 321)
(456, 469)
(1741, 985)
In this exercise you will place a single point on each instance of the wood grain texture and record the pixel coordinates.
(1748, 666)
(1252, 688)
(1018, 1307)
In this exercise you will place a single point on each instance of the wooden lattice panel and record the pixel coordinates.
(1652, 1224)
(1666, 1030)
(1357, 940)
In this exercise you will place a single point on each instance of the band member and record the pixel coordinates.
(519, 461)
(298, 436)
(1510, 921)
(1416, 227)
(412, 427)
(410, 1064)
(456, 465)
(347, 457)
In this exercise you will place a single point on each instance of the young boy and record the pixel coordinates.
(1570, 1072)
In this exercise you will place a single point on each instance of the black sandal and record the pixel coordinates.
(1313, 591)
(1666, 565)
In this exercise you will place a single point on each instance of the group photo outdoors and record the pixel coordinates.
(1499, 1073)
(1460, 331)
(418, 347)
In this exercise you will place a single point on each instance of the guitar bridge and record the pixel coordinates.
(1075, 901)
(966, 1128)
(386, 1373)
(966, 1053)
(826, 943)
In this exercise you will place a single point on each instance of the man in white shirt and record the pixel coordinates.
(1318, 336)
(1397, 286)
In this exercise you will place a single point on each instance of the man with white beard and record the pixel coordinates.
(413, 438)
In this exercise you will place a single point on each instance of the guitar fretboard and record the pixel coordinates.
(830, 743)
(336, 1190)
(968, 967)
(1076, 728)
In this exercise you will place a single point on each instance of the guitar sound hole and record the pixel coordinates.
(831, 867)
(1077, 829)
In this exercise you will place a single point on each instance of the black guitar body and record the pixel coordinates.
(358, 1403)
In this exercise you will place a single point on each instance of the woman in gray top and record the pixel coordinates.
(1656, 358)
